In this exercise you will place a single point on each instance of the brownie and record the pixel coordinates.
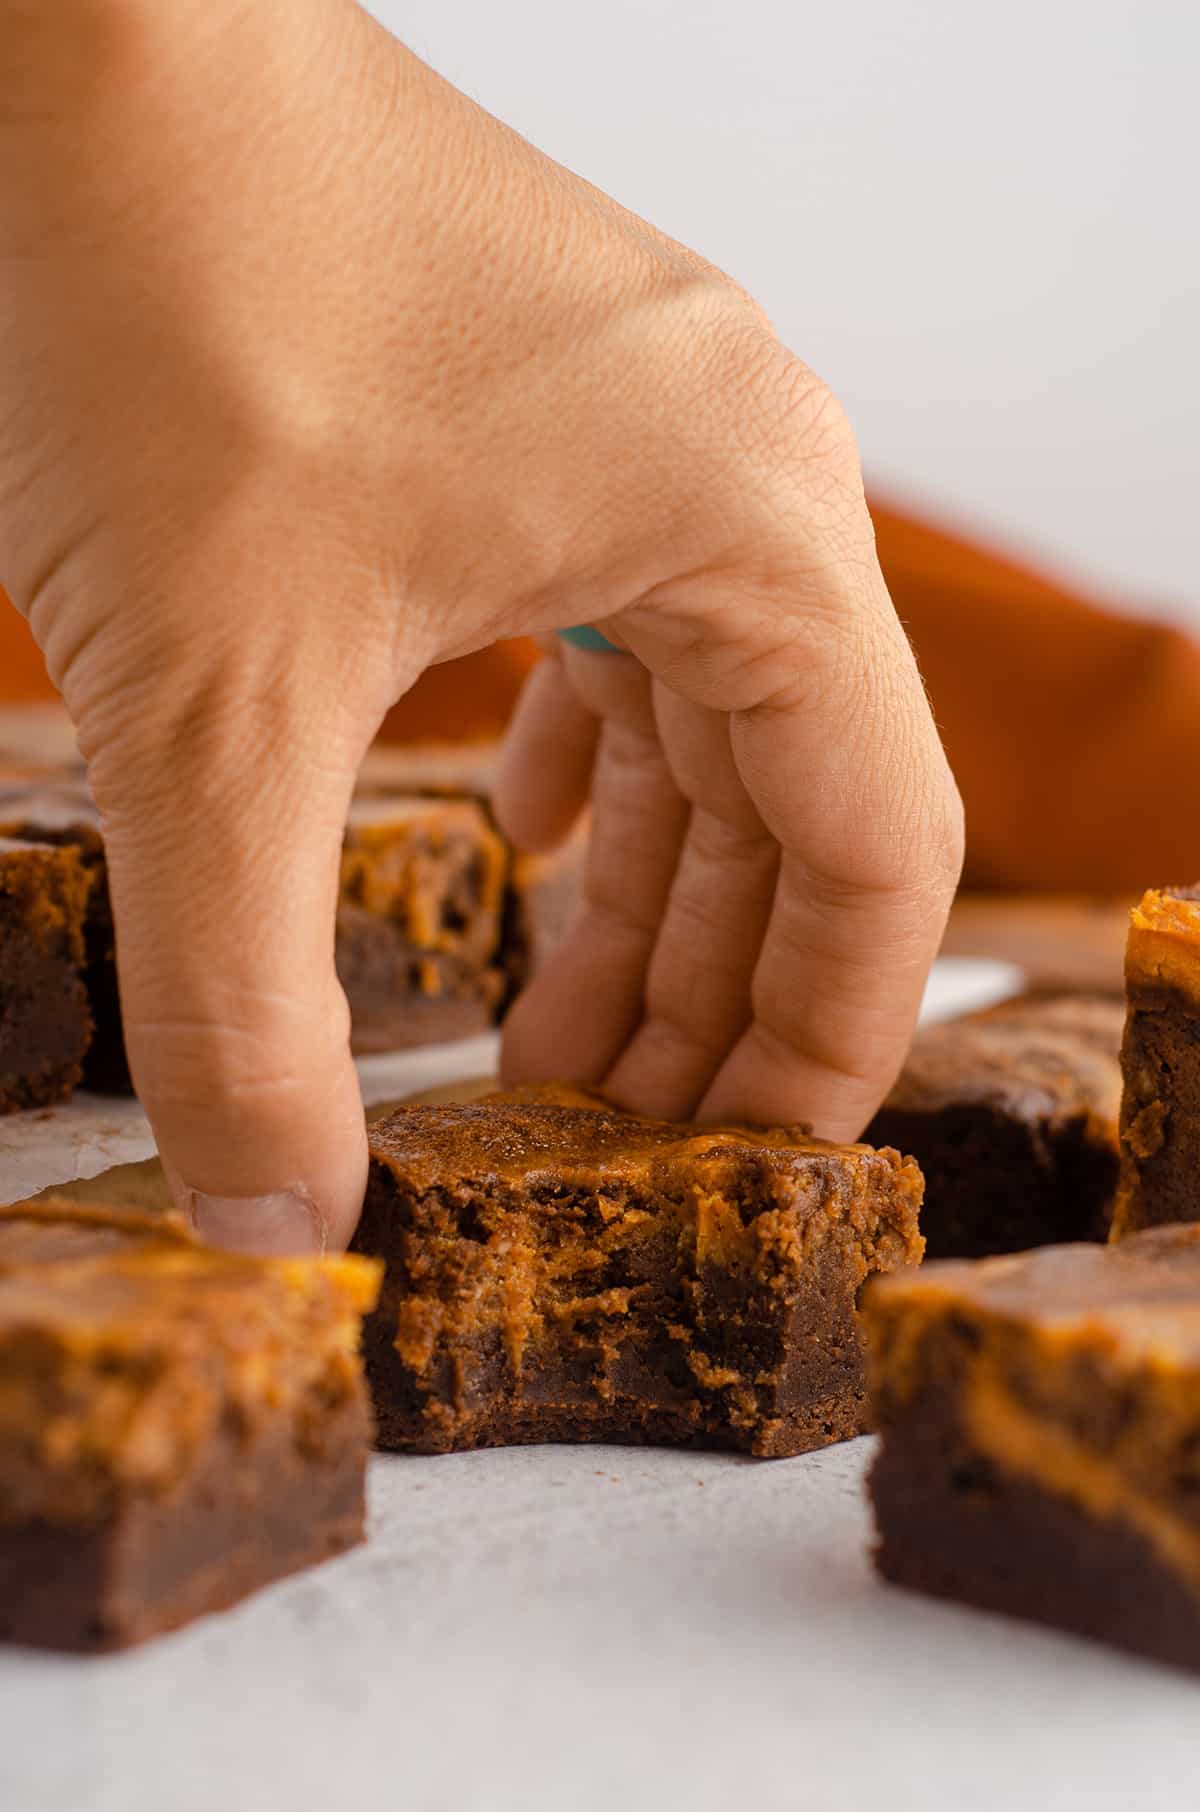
(1096, 1020)
(439, 923)
(1012, 1115)
(420, 913)
(178, 1426)
(106, 1068)
(73, 826)
(1040, 1422)
(420, 919)
(45, 1019)
(1160, 1062)
(560, 1271)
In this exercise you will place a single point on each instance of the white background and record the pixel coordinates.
(977, 221)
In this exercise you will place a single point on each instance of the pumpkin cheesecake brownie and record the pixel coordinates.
(1160, 1061)
(178, 1426)
(1040, 1423)
(420, 920)
(45, 1018)
(558, 1270)
(1012, 1115)
(439, 920)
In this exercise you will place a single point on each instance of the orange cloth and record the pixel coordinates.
(22, 673)
(1074, 732)
(463, 700)
(459, 701)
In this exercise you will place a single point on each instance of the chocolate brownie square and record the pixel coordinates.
(422, 904)
(178, 1426)
(1160, 1061)
(1012, 1115)
(45, 1020)
(1040, 1423)
(64, 817)
(558, 1270)
(420, 916)
(439, 923)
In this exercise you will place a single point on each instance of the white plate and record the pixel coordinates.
(965, 984)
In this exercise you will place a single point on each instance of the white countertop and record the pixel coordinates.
(578, 1629)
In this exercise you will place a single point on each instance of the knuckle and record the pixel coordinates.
(222, 1069)
(791, 420)
(928, 852)
(815, 649)
(613, 916)
(720, 846)
(947, 833)
(786, 484)
(671, 1037)
(810, 421)
(855, 1063)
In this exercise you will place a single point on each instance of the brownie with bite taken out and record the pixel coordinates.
(559, 1270)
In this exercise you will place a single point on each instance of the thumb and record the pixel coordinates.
(224, 832)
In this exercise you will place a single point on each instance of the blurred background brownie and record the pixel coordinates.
(1160, 1060)
(1012, 1115)
(64, 818)
(560, 1271)
(1040, 1424)
(440, 921)
(538, 900)
(420, 920)
(45, 1019)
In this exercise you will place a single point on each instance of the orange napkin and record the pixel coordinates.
(22, 673)
(1074, 731)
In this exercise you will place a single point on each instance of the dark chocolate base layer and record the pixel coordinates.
(1160, 1110)
(995, 1184)
(954, 1525)
(649, 1412)
(105, 1067)
(241, 1521)
(45, 1028)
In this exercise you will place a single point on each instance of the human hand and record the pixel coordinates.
(312, 375)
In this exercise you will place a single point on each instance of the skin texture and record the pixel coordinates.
(313, 375)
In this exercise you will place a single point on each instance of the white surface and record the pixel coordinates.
(966, 984)
(578, 1629)
(977, 222)
(583, 1630)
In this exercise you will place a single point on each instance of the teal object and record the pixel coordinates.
(584, 636)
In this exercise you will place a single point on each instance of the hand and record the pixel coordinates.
(313, 374)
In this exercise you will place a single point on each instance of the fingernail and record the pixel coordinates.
(285, 1222)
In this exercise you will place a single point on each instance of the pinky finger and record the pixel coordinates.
(546, 765)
